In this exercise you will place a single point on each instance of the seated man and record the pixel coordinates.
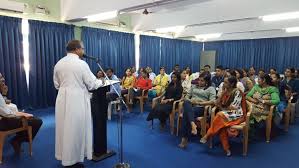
(14, 122)
(4, 94)
(152, 75)
(218, 78)
(112, 95)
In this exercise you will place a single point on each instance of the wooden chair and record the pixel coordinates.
(202, 120)
(142, 99)
(175, 109)
(243, 127)
(5, 133)
(292, 112)
(289, 115)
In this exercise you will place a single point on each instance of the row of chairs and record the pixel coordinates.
(289, 117)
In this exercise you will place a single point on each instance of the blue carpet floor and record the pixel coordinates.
(147, 148)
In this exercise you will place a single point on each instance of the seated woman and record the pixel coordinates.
(160, 83)
(285, 95)
(188, 73)
(196, 98)
(186, 83)
(128, 81)
(142, 83)
(14, 122)
(247, 83)
(232, 107)
(262, 96)
(100, 75)
(239, 84)
(173, 92)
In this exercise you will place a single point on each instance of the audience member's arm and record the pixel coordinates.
(149, 84)
(212, 97)
(123, 81)
(136, 84)
(155, 81)
(164, 82)
(27, 115)
(178, 94)
(163, 100)
(250, 94)
(236, 104)
(133, 82)
(274, 98)
(189, 94)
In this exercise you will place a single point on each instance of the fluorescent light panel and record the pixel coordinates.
(208, 36)
(292, 29)
(174, 29)
(102, 16)
(281, 16)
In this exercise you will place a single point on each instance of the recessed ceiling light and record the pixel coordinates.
(208, 36)
(292, 29)
(174, 29)
(281, 16)
(102, 16)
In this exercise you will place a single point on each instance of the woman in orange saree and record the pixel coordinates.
(232, 106)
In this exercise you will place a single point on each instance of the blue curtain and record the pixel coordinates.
(260, 53)
(196, 48)
(47, 42)
(150, 52)
(114, 49)
(182, 52)
(11, 60)
(156, 52)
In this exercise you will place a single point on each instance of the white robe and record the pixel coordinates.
(73, 140)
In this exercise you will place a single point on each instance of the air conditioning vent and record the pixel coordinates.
(12, 6)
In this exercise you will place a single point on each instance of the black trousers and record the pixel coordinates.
(13, 123)
(161, 112)
(111, 96)
(189, 115)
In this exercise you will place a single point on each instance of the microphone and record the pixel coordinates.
(90, 57)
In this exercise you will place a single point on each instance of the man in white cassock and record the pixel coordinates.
(73, 79)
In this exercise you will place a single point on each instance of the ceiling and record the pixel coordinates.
(236, 19)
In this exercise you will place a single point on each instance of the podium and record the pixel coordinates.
(99, 106)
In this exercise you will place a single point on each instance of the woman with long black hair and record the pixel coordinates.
(173, 92)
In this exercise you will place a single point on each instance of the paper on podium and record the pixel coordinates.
(110, 82)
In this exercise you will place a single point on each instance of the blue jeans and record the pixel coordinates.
(189, 115)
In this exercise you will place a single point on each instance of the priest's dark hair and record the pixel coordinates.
(73, 45)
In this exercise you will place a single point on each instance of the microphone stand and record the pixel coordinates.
(121, 163)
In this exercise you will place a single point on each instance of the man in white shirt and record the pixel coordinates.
(152, 75)
(176, 69)
(73, 80)
(12, 120)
